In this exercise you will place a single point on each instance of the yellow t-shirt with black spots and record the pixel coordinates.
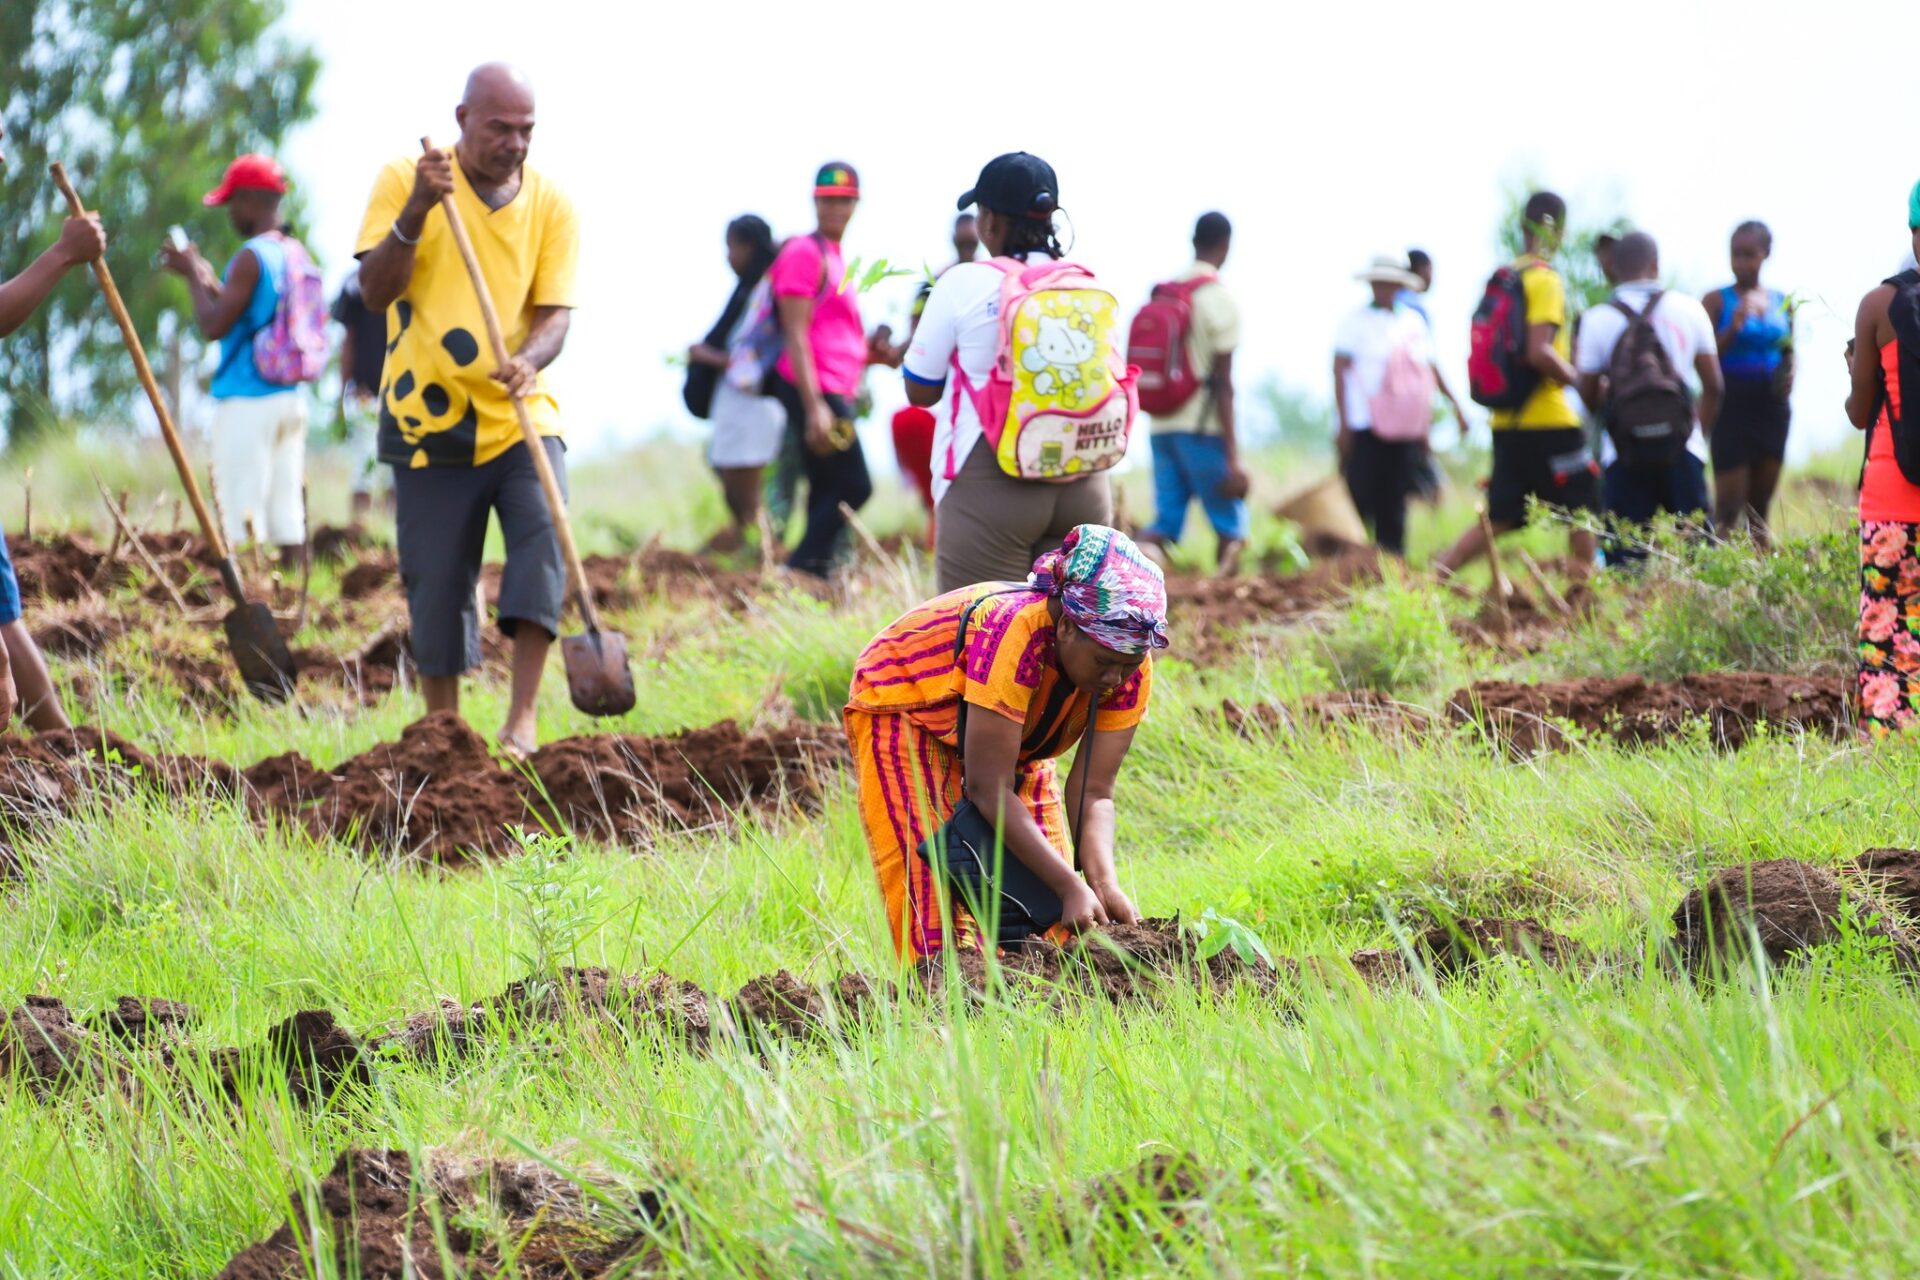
(438, 405)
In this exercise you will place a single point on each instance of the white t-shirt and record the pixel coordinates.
(1369, 337)
(1679, 321)
(961, 322)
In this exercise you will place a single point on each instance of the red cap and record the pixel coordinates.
(251, 172)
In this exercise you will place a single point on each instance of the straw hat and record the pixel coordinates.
(1385, 269)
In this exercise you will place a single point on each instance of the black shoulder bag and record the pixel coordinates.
(969, 853)
(1904, 315)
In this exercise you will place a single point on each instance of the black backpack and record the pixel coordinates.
(1649, 405)
(1904, 314)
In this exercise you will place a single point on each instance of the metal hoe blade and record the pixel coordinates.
(598, 678)
(259, 651)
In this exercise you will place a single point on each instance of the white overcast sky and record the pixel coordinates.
(1328, 133)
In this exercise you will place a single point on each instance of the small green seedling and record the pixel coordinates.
(556, 903)
(1218, 932)
(862, 281)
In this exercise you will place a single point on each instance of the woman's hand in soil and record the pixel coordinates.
(1080, 908)
(1120, 909)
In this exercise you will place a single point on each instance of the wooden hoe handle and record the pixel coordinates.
(140, 366)
(501, 356)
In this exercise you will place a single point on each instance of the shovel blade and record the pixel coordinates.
(259, 650)
(598, 678)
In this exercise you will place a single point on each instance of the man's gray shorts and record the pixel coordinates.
(441, 517)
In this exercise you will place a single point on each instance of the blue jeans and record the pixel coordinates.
(9, 586)
(1636, 497)
(1187, 465)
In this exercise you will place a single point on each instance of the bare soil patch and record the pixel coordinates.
(1892, 875)
(1633, 710)
(1120, 962)
(1366, 707)
(1784, 906)
(383, 1218)
(623, 787)
(1457, 948)
(1207, 614)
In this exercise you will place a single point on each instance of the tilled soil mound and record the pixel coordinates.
(1163, 1190)
(42, 1046)
(617, 582)
(73, 567)
(144, 1020)
(51, 1051)
(622, 787)
(438, 793)
(1206, 613)
(371, 673)
(45, 778)
(1894, 875)
(1632, 710)
(1457, 948)
(1366, 707)
(384, 1219)
(680, 1010)
(332, 543)
(1525, 624)
(78, 629)
(1121, 962)
(1785, 906)
(776, 1005)
(371, 576)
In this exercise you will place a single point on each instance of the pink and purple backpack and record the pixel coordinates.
(292, 348)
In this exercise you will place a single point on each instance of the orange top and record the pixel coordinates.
(1885, 494)
(1008, 668)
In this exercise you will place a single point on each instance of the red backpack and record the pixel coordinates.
(1499, 375)
(1157, 346)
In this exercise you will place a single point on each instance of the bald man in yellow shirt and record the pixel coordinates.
(447, 423)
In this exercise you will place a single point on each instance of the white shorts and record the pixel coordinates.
(260, 467)
(364, 472)
(747, 429)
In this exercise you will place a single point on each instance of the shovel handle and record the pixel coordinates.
(556, 504)
(132, 339)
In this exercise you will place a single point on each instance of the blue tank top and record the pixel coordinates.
(237, 376)
(1756, 351)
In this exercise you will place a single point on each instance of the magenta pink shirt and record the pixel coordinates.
(837, 338)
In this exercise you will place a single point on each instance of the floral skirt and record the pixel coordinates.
(1888, 639)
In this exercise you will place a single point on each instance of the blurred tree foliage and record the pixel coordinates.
(1292, 419)
(1587, 286)
(145, 101)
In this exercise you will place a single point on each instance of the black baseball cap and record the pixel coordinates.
(1017, 184)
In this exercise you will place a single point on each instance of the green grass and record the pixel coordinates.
(1526, 1123)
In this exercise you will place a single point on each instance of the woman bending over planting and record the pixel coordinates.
(957, 714)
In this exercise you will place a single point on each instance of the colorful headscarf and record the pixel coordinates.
(1108, 587)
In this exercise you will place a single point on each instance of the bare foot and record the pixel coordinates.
(516, 745)
(1230, 558)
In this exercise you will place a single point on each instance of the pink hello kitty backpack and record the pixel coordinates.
(1060, 401)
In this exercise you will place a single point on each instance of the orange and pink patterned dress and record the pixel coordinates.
(902, 719)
